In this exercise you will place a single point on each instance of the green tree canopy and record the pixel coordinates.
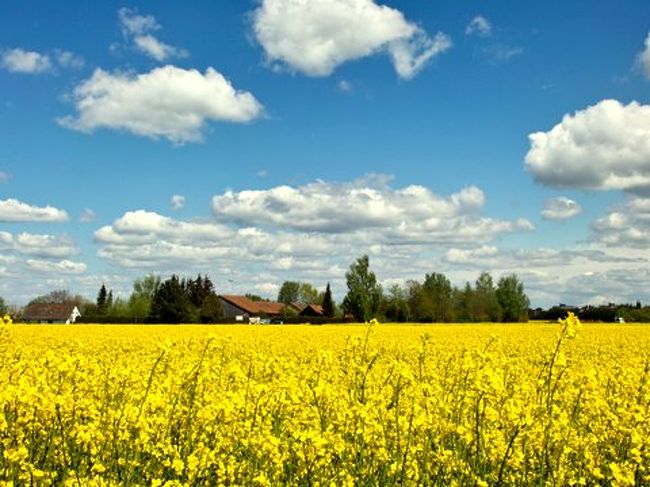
(170, 303)
(289, 292)
(364, 293)
(514, 302)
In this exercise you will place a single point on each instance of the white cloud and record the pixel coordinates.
(412, 214)
(67, 59)
(344, 207)
(560, 208)
(625, 226)
(316, 37)
(643, 58)
(20, 61)
(157, 49)
(38, 245)
(44, 245)
(479, 26)
(63, 266)
(311, 232)
(138, 28)
(145, 226)
(12, 210)
(605, 146)
(168, 102)
(4, 177)
(178, 202)
(87, 216)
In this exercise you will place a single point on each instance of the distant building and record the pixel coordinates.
(51, 313)
(311, 310)
(241, 308)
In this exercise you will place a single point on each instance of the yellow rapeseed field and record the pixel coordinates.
(529, 404)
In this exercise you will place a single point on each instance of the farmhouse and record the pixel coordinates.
(51, 313)
(310, 310)
(241, 308)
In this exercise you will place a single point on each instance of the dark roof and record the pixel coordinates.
(312, 310)
(254, 307)
(47, 312)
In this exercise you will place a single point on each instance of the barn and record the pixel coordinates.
(50, 313)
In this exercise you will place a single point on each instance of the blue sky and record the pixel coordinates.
(299, 135)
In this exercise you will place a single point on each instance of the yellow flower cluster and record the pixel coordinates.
(325, 405)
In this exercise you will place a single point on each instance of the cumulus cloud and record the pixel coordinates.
(30, 62)
(138, 28)
(19, 60)
(37, 245)
(178, 202)
(605, 146)
(643, 58)
(168, 102)
(12, 210)
(479, 26)
(311, 232)
(64, 266)
(316, 37)
(411, 213)
(560, 208)
(625, 226)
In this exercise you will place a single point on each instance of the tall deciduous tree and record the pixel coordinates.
(437, 299)
(364, 293)
(142, 295)
(513, 299)
(289, 292)
(307, 294)
(486, 305)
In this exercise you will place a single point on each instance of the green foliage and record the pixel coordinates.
(141, 297)
(307, 294)
(289, 292)
(4, 309)
(364, 293)
(101, 301)
(514, 302)
(485, 305)
(395, 306)
(210, 310)
(170, 303)
(255, 297)
(432, 301)
(328, 303)
(297, 292)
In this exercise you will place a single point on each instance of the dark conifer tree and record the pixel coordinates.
(328, 304)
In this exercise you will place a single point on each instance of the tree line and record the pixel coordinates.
(434, 299)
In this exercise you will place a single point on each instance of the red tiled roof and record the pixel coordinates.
(254, 307)
(46, 312)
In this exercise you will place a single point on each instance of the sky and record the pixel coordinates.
(275, 140)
